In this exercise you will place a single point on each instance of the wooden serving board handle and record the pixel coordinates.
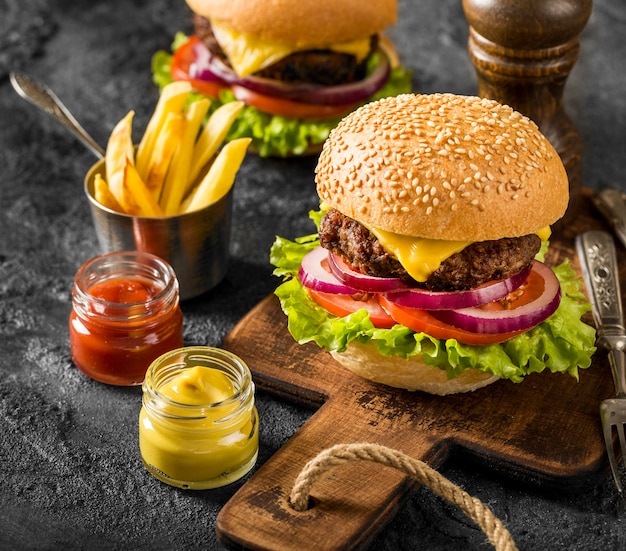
(353, 501)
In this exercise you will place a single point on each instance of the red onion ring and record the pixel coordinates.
(209, 67)
(453, 300)
(486, 320)
(363, 282)
(315, 274)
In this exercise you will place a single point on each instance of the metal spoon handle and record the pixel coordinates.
(41, 96)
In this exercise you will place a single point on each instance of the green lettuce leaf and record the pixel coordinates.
(563, 343)
(274, 135)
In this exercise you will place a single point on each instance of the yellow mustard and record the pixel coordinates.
(198, 425)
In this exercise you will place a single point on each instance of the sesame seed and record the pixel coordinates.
(451, 141)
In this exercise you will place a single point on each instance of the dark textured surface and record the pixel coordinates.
(70, 471)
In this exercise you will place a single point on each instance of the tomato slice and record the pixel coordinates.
(184, 56)
(343, 305)
(527, 306)
(288, 108)
(182, 59)
(527, 292)
(421, 321)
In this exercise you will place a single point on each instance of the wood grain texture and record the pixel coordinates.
(543, 431)
(523, 52)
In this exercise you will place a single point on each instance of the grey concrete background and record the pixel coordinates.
(70, 471)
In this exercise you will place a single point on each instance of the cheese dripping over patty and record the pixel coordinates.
(419, 256)
(248, 54)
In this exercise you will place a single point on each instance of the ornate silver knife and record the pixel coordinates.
(596, 250)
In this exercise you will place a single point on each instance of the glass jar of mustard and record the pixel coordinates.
(198, 425)
(125, 313)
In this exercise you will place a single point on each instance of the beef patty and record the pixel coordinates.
(314, 66)
(478, 263)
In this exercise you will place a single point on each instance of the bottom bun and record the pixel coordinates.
(413, 374)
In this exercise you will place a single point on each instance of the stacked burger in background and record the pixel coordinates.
(299, 66)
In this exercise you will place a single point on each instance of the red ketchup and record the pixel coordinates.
(125, 314)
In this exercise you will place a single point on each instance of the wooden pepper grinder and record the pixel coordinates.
(523, 52)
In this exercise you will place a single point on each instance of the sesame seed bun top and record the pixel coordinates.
(301, 23)
(443, 166)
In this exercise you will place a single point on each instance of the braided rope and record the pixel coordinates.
(498, 535)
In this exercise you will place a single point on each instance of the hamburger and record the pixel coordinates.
(299, 66)
(426, 272)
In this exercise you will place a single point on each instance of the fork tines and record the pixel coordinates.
(613, 414)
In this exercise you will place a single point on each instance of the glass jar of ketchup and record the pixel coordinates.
(125, 313)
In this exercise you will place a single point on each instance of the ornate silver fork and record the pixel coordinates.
(596, 250)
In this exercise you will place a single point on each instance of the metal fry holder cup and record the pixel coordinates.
(195, 244)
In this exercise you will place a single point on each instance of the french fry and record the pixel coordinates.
(212, 136)
(164, 149)
(136, 194)
(154, 179)
(172, 100)
(102, 194)
(119, 148)
(177, 179)
(220, 177)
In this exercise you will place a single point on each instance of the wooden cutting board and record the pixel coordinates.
(545, 431)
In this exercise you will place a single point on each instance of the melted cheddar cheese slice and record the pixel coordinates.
(544, 233)
(420, 256)
(248, 54)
